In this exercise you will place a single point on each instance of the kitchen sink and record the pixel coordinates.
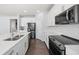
(14, 39)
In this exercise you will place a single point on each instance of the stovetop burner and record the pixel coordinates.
(65, 40)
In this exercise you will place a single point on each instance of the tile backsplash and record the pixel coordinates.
(69, 30)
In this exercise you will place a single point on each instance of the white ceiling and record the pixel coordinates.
(15, 9)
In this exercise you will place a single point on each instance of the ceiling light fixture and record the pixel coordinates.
(25, 10)
(38, 11)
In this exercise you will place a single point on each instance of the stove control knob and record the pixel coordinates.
(59, 44)
(53, 39)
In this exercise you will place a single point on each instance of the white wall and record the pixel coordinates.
(41, 25)
(26, 20)
(5, 24)
(39, 18)
(69, 30)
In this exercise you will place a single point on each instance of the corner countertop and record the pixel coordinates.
(72, 49)
(6, 45)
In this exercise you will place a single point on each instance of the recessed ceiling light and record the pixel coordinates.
(38, 11)
(25, 10)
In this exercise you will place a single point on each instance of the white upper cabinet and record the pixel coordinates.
(55, 10)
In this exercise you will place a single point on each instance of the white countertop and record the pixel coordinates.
(6, 45)
(72, 49)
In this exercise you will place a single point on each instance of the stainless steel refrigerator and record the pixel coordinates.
(32, 30)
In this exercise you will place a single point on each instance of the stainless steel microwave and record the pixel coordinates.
(68, 16)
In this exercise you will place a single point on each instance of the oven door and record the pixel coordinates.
(56, 48)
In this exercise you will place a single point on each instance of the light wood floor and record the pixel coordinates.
(37, 47)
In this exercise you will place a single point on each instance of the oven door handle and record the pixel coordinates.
(67, 15)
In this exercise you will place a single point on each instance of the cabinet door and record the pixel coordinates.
(20, 48)
(26, 43)
(10, 52)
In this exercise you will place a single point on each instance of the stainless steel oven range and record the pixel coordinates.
(57, 44)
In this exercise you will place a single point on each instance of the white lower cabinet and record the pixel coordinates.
(10, 52)
(20, 48)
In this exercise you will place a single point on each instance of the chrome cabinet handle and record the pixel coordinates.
(59, 44)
